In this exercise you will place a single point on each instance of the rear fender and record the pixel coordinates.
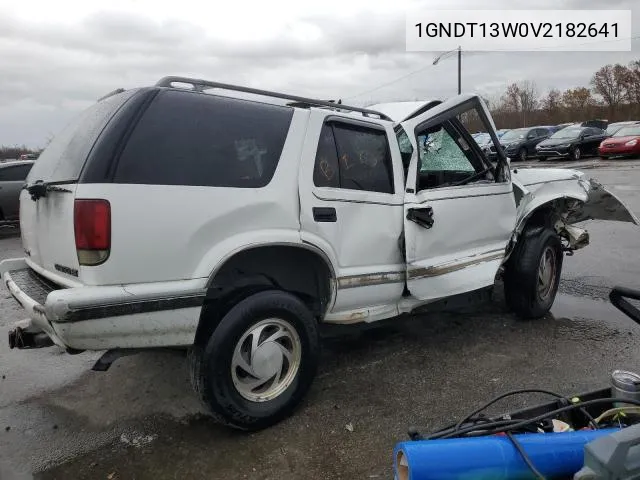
(564, 203)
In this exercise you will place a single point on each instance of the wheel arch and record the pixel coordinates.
(544, 209)
(298, 268)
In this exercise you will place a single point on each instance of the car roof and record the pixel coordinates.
(399, 111)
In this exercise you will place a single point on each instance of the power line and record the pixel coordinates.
(375, 89)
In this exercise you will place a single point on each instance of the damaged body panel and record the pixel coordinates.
(563, 198)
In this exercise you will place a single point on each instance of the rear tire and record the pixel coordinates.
(522, 154)
(259, 362)
(532, 273)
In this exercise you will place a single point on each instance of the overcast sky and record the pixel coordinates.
(57, 57)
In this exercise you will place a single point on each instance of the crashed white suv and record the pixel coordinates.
(238, 223)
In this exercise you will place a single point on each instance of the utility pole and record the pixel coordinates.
(446, 54)
(459, 70)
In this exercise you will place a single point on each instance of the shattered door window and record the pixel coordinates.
(440, 152)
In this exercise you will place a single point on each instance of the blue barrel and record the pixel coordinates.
(493, 457)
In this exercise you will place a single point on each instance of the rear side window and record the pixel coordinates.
(15, 173)
(205, 140)
(65, 156)
(354, 158)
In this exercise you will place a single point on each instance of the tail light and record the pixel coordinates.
(92, 226)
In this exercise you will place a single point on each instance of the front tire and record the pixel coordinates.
(259, 362)
(576, 153)
(532, 273)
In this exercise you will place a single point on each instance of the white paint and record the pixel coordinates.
(167, 241)
(470, 222)
(364, 239)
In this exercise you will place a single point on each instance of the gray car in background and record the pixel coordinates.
(12, 178)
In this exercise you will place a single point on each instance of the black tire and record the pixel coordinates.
(522, 154)
(521, 277)
(211, 365)
(576, 153)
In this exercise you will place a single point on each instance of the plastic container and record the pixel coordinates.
(493, 457)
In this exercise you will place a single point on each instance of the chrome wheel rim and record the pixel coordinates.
(546, 274)
(266, 360)
(576, 154)
(523, 156)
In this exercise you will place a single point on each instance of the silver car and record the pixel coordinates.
(12, 178)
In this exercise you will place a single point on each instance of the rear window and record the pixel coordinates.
(186, 138)
(65, 156)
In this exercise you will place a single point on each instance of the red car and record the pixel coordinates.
(625, 142)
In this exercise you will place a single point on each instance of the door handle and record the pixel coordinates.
(325, 214)
(421, 216)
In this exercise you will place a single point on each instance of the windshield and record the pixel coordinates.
(482, 138)
(628, 131)
(567, 133)
(514, 134)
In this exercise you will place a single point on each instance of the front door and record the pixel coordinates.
(459, 209)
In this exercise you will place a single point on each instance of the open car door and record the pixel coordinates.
(459, 208)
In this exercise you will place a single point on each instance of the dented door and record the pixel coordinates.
(351, 200)
(459, 209)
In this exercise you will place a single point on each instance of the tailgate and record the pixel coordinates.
(47, 231)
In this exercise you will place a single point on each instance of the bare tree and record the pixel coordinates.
(609, 83)
(632, 85)
(511, 98)
(552, 102)
(528, 97)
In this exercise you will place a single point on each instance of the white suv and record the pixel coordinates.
(238, 223)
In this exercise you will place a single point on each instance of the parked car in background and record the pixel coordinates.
(560, 126)
(614, 127)
(574, 141)
(486, 145)
(28, 156)
(520, 144)
(552, 128)
(596, 123)
(625, 142)
(12, 178)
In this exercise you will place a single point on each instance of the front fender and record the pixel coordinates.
(569, 201)
(575, 200)
(601, 204)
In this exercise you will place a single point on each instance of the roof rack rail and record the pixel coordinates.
(200, 85)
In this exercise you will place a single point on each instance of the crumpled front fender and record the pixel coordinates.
(569, 201)
(601, 204)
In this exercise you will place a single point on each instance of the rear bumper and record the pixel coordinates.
(102, 317)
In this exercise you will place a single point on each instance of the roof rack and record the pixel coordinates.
(200, 85)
